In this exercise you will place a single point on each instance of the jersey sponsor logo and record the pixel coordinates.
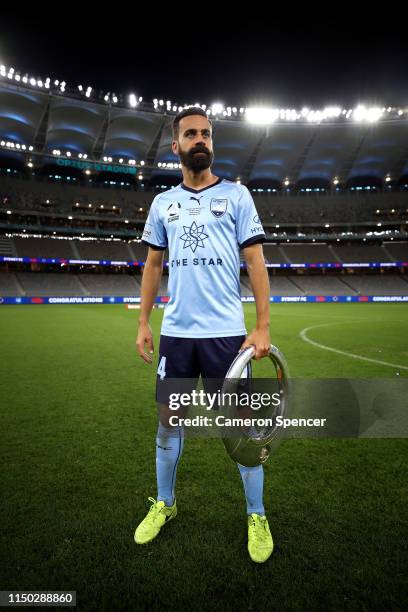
(257, 230)
(196, 261)
(218, 206)
(257, 219)
(193, 236)
(173, 212)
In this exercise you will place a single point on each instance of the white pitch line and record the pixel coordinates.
(303, 335)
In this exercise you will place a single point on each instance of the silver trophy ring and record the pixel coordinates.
(252, 450)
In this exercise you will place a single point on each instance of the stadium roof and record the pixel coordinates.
(295, 151)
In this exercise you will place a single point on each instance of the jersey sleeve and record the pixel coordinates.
(248, 224)
(154, 233)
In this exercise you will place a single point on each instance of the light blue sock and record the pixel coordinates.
(253, 479)
(169, 446)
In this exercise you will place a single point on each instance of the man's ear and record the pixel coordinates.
(174, 147)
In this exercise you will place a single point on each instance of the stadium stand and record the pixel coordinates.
(283, 285)
(101, 284)
(41, 284)
(344, 207)
(163, 285)
(9, 286)
(7, 247)
(103, 249)
(310, 253)
(139, 251)
(50, 283)
(110, 284)
(74, 249)
(360, 253)
(378, 284)
(274, 254)
(398, 251)
(44, 247)
(324, 285)
(246, 287)
(31, 194)
(309, 217)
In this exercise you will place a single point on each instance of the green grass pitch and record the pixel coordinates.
(78, 423)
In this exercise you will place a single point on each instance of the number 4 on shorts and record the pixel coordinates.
(161, 370)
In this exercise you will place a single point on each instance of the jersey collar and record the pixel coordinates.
(217, 182)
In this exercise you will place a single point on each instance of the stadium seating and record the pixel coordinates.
(245, 287)
(163, 285)
(110, 284)
(397, 250)
(274, 254)
(7, 248)
(103, 249)
(345, 207)
(99, 284)
(44, 247)
(283, 285)
(9, 285)
(75, 249)
(324, 285)
(50, 283)
(31, 194)
(360, 253)
(309, 253)
(378, 284)
(139, 251)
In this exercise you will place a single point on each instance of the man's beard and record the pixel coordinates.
(194, 162)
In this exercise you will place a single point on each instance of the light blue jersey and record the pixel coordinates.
(204, 230)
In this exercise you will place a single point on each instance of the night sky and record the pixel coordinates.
(240, 61)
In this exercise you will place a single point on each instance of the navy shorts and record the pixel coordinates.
(190, 358)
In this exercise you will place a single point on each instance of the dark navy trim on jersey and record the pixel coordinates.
(217, 182)
(155, 247)
(253, 240)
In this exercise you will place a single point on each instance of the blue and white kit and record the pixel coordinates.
(203, 325)
(204, 231)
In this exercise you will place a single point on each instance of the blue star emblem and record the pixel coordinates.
(193, 236)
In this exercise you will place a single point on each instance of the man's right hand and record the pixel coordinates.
(145, 337)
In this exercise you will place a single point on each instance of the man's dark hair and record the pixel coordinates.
(186, 112)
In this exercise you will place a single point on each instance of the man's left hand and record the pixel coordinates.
(260, 339)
